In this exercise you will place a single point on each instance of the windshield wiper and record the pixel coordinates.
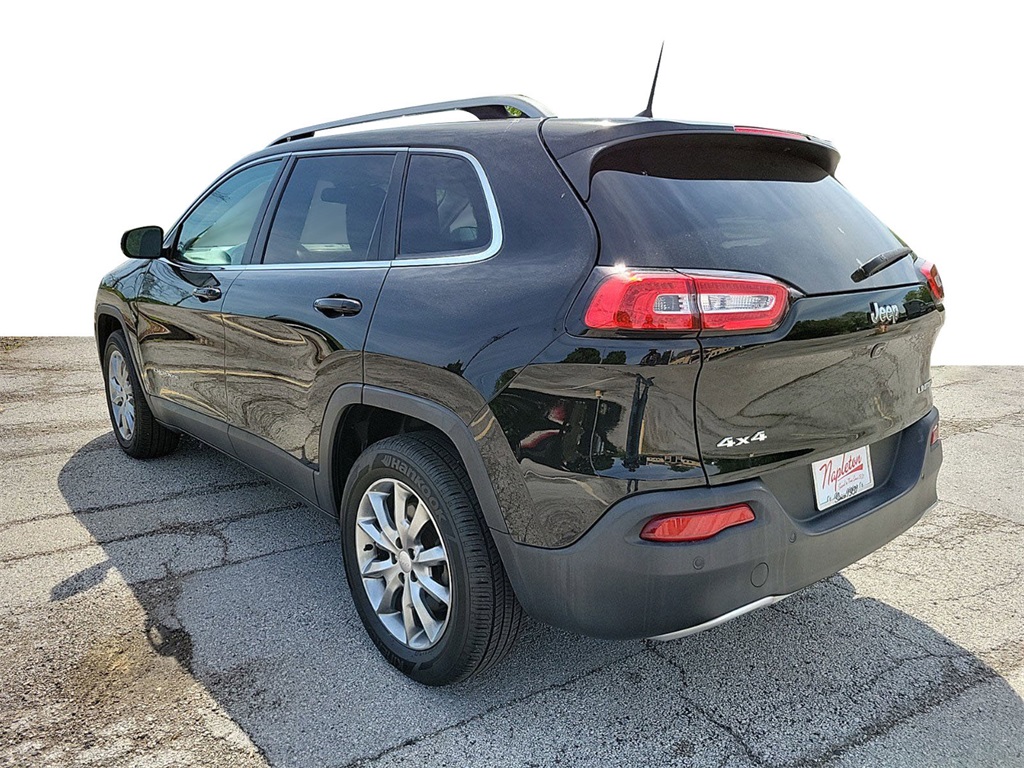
(878, 263)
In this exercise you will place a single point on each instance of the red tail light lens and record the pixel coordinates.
(769, 132)
(665, 301)
(931, 274)
(638, 301)
(695, 526)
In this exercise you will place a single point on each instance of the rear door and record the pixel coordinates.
(849, 364)
(296, 318)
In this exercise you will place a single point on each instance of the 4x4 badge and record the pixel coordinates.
(730, 442)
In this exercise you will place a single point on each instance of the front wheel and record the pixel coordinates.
(424, 573)
(137, 431)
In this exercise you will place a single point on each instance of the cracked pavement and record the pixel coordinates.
(185, 611)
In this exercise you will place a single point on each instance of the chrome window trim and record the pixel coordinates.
(320, 265)
(263, 267)
(442, 259)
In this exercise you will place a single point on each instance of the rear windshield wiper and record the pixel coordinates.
(878, 263)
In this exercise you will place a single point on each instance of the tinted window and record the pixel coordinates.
(748, 211)
(444, 209)
(220, 227)
(330, 209)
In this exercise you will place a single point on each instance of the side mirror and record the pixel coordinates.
(143, 243)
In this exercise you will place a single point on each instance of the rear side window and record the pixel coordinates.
(745, 210)
(444, 209)
(330, 210)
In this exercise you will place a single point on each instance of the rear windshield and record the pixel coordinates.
(741, 210)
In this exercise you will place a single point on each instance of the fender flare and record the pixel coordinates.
(108, 310)
(426, 411)
(129, 336)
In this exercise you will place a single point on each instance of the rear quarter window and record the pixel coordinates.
(444, 209)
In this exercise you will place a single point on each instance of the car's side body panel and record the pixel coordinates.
(284, 359)
(115, 299)
(181, 336)
(178, 309)
(117, 310)
(457, 334)
(483, 319)
(594, 419)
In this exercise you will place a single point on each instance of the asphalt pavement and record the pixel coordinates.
(187, 612)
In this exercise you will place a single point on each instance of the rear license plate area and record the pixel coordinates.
(842, 477)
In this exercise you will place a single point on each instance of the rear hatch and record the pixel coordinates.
(846, 367)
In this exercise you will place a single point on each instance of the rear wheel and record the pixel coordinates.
(423, 570)
(137, 432)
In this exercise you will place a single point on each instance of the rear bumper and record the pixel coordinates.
(610, 583)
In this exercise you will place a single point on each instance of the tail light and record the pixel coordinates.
(695, 526)
(931, 274)
(935, 437)
(768, 132)
(670, 301)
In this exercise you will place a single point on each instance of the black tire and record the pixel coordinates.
(483, 616)
(149, 438)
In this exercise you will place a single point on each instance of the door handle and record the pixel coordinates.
(335, 306)
(208, 293)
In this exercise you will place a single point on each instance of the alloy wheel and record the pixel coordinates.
(122, 398)
(403, 563)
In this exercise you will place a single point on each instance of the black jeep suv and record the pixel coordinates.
(635, 377)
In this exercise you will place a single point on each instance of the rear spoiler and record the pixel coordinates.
(582, 148)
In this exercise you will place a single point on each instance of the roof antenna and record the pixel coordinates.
(650, 102)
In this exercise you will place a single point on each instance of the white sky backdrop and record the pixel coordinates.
(118, 114)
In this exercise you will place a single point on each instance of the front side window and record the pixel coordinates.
(330, 209)
(217, 231)
(444, 209)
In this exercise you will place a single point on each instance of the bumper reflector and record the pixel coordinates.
(695, 526)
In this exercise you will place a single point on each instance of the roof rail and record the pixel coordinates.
(483, 107)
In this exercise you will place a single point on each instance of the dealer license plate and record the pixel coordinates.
(842, 477)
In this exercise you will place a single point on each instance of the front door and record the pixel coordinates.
(180, 320)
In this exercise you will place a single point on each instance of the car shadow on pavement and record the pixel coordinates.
(244, 586)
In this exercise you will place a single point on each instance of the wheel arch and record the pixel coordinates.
(108, 320)
(351, 399)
